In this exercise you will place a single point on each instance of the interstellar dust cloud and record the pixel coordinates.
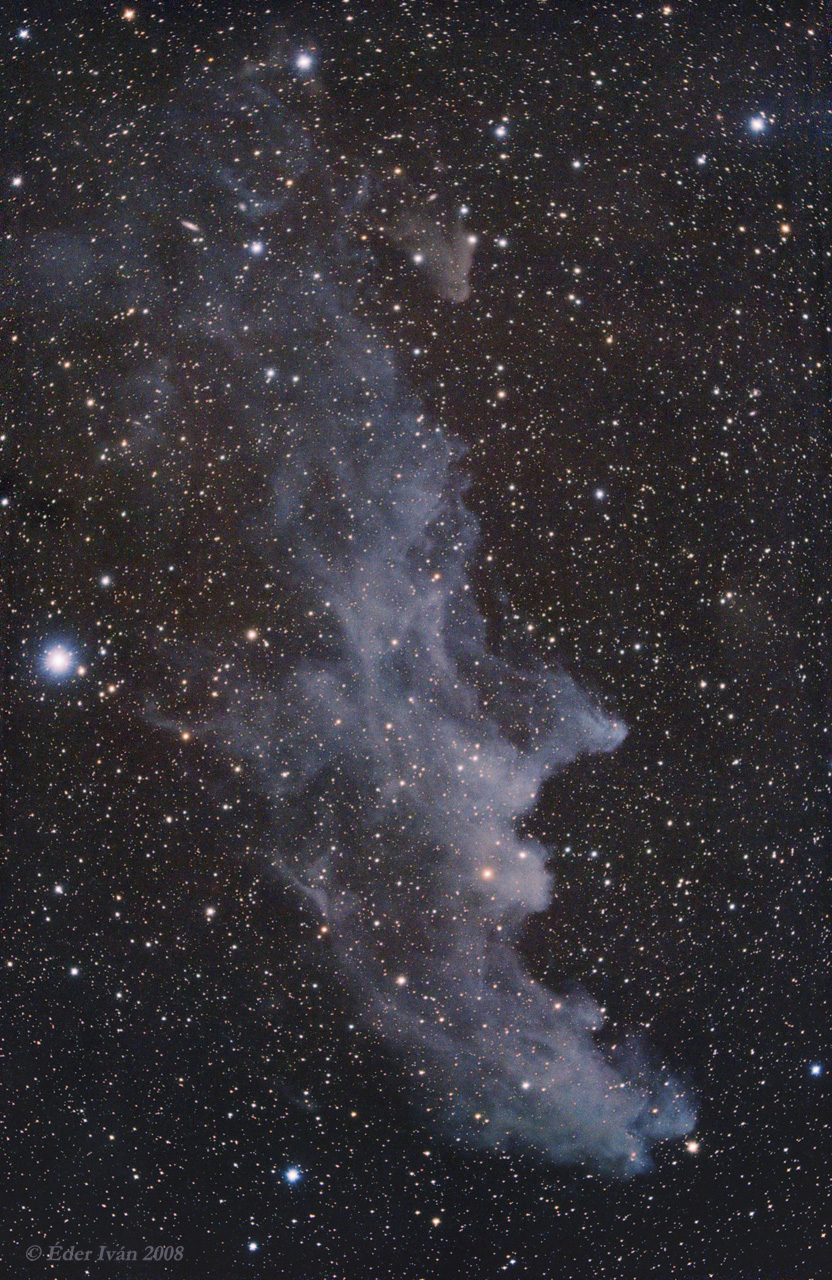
(397, 749)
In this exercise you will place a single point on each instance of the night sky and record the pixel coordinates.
(416, 725)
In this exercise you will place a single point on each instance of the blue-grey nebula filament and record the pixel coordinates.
(398, 750)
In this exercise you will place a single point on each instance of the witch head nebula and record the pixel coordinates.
(397, 749)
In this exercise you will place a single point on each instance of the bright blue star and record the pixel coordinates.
(816, 1069)
(292, 1175)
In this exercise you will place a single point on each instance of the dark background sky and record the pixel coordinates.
(642, 376)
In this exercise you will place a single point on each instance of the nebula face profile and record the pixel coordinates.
(397, 750)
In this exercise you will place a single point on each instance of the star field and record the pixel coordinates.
(532, 304)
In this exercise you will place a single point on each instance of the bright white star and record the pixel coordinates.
(58, 660)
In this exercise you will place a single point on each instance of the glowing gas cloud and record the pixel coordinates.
(397, 749)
